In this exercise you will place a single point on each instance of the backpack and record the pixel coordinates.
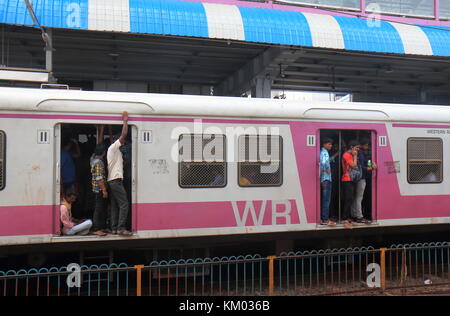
(356, 174)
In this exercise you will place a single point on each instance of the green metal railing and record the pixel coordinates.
(324, 272)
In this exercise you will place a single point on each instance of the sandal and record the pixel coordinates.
(347, 224)
(99, 233)
(362, 220)
(331, 224)
(125, 233)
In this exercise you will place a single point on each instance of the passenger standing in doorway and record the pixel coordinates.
(119, 201)
(357, 211)
(368, 167)
(349, 161)
(98, 172)
(326, 182)
(70, 151)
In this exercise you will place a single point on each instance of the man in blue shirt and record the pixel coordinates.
(68, 171)
(326, 182)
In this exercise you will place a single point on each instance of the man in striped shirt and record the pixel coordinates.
(98, 171)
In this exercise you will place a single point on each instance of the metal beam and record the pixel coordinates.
(259, 71)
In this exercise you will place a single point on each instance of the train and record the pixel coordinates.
(190, 154)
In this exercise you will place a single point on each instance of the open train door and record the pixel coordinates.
(86, 135)
(341, 139)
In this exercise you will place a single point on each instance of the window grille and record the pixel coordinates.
(202, 161)
(425, 160)
(260, 161)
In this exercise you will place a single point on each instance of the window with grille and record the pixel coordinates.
(425, 160)
(202, 161)
(2, 159)
(260, 161)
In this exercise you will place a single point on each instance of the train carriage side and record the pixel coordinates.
(184, 193)
(414, 179)
(172, 204)
(27, 173)
(197, 174)
(400, 195)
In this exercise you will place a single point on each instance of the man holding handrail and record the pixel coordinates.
(119, 201)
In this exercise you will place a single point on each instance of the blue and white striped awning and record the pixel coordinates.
(194, 19)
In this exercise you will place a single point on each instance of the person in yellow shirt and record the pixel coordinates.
(71, 226)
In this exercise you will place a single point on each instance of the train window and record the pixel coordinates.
(2, 159)
(202, 161)
(260, 161)
(425, 160)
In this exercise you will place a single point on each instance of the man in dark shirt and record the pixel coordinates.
(361, 211)
(68, 170)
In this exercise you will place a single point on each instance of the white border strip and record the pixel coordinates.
(224, 21)
(325, 30)
(414, 39)
(109, 15)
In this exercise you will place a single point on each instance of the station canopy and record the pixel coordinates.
(208, 20)
(251, 31)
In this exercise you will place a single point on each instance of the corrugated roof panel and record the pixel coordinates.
(439, 39)
(107, 15)
(224, 21)
(184, 18)
(168, 17)
(54, 13)
(16, 12)
(361, 35)
(275, 26)
(414, 40)
(325, 31)
(196, 19)
(146, 17)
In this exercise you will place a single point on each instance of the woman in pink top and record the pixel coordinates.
(70, 226)
(349, 161)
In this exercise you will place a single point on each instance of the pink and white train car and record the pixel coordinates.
(174, 196)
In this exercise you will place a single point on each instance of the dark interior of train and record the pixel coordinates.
(83, 139)
(341, 139)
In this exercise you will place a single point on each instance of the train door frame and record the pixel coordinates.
(57, 174)
(56, 189)
(134, 174)
(374, 195)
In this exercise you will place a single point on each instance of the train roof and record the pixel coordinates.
(74, 101)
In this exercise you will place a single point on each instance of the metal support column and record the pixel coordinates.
(262, 87)
(48, 39)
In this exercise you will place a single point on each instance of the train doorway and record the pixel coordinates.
(78, 141)
(364, 192)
